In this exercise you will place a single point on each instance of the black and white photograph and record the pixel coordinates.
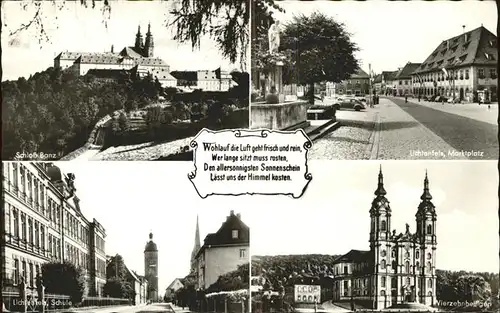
(378, 80)
(120, 80)
(418, 236)
(80, 238)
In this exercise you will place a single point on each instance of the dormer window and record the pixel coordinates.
(234, 234)
(489, 56)
(493, 43)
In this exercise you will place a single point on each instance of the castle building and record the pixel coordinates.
(399, 268)
(140, 56)
(223, 251)
(151, 268)
(43, 222)
(206, 80)
(464, 66)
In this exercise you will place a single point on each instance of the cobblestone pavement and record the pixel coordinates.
(392, 131)
(471, 110)
(141, 152)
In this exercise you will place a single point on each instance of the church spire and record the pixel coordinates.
(138, 39)
(149, 43)
(380, 189)
(197, 244)
(426, 195)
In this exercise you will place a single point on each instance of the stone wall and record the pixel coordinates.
(278, 116)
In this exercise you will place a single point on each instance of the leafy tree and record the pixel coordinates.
(235, 280)
(64, 279)
(196, 18)
(319, 49)
(117, 279)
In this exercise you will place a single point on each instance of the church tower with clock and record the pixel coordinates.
(151, 269)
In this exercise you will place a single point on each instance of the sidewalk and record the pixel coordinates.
(471, 110)
(107, 309)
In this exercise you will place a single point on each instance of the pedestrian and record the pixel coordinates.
(418, 97)
(406, 98)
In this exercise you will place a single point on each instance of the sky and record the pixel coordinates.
(79, 29)
(130, 199)
(333, 215)
(392, 33)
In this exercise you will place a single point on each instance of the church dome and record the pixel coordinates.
(150, 246)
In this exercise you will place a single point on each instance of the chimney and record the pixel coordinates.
(448, 44)
(231, 213)
(466, 37)
(112, 49)
(238, 215)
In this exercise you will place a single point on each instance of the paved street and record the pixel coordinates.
(398, 130)
(157, 308)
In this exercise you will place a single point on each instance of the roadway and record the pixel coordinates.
(395, 130)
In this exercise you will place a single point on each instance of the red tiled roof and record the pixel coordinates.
(466, 49)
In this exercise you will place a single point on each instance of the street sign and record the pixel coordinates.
(307, 293)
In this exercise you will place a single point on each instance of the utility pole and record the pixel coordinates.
(370, 83)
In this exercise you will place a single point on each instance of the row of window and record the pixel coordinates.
(100, 267)
(54, 247)
(383, 227)
(75, 229)
(27, 272)
(34, 193)
(429, 294)
(76, 256)
(456, 75)
(383, 253)
(22, 227)
(383, 282)
(407, 267)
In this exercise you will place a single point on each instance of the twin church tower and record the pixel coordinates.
(146, 49)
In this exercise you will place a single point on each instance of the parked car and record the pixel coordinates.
(441, 99)
(433, 98)
(350, 103)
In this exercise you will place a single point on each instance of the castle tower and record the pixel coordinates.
(149, 45)
(151, 268)
(138, 40)
(380, 245)
(426, 237)
(196, 246)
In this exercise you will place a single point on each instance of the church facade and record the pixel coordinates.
(151, 269)
(399, 268)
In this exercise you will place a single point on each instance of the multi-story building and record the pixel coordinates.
(388, 83)
(174, 286)
(139, 285)
(206, 80)
(358, 84)
(107, 64)
(398, 268)
(223, 251)
(463, 66)
(151, 268)
(403, 79)
(44, 223)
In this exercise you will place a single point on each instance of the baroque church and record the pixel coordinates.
(399, 269)
(139, 58)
